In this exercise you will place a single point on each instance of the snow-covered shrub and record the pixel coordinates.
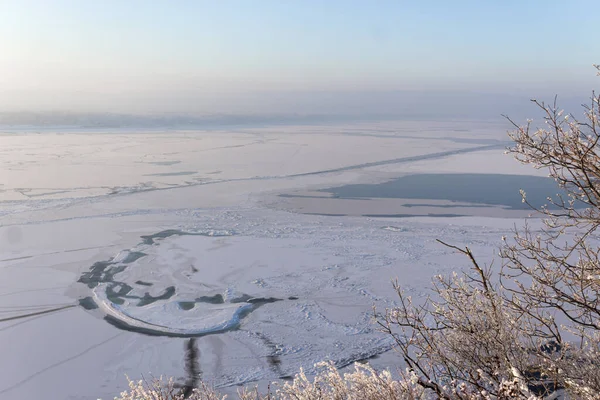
(364, 383)
(159, 389)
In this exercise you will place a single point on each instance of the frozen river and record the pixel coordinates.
(258, 251)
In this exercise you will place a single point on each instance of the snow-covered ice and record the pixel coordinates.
(121, 246)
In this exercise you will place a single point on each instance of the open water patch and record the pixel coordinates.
(489, 189)
(182, 173)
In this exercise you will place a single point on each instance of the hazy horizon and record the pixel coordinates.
(350, 58)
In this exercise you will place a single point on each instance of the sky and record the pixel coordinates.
(303, 56)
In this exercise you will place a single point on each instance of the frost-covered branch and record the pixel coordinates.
(531, 328)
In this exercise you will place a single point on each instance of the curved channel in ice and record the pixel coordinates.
(170, 319)
(187, 283)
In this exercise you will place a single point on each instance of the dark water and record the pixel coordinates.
(489, 189)
(182, 173)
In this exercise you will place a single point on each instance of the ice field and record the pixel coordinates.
(263, 248)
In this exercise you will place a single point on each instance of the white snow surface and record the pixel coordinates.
(264, 291)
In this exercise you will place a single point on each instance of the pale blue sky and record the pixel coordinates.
(162, 55)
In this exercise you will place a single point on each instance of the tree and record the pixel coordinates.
(532, 328)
